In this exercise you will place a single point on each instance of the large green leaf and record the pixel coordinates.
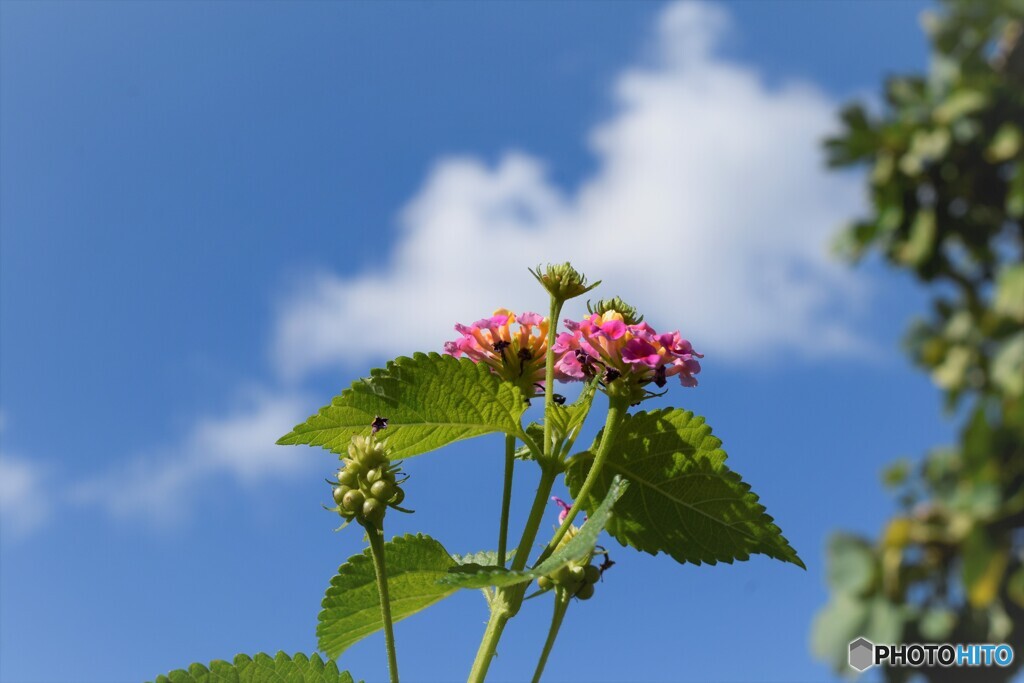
(261, 669)
(473, 575)
(682, 499)
(429, 400)
(351, 607)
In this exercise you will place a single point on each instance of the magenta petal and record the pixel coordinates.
(640, 351)
(530, 319)
(614, 329)
(642, 330)
(565, 508)
(564, 342)
(568, 368)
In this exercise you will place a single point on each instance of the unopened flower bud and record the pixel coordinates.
(339, 493)
(373, 511)
(382, 490)
(353, 500)
(585, 592)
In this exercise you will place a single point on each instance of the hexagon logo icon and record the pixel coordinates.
(862, 654)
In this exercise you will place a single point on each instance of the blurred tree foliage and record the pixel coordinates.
(946, 162)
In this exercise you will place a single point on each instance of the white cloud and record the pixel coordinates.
(24, 501)
(239, 444)
(710, 210)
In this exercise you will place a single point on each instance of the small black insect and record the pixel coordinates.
(378, 424)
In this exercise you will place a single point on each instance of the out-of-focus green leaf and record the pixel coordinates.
(851, 564)
(1009, 299)
(984, 564)
(922, 239)
(1005, 144)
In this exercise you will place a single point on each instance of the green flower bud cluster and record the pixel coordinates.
(577, 579)
(367, 483)
(630, 315)
(563, 281)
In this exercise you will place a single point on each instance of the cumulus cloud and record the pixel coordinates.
(24, 502)
(709, 209)
(240, 444)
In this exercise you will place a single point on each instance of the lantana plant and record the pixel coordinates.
(656, 481)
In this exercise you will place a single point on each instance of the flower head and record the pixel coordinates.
(514, 353)
(607, 345)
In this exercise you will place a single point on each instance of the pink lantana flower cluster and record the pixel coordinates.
(516, 354)
(604, 345)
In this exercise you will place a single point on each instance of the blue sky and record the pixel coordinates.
(214, 216)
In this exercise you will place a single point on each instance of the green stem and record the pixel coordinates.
(540, 501)
(617, 406)
(506, 602)
(506, 497)
(561, 606)
(376, 537)
(488, 646)
(549, 376)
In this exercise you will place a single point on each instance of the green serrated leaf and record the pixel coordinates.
(566, 421)
(351, 607)
(261, 668)
(483, 557)
(579, 547)
(535, 431)
(682, 499)
(430, 400)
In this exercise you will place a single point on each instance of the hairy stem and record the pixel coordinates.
(616, 411)
(549, 375)
(376, 537)
(561, 606)
(506, 601)
(506, 498)
(540, 502)
(489, 644)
